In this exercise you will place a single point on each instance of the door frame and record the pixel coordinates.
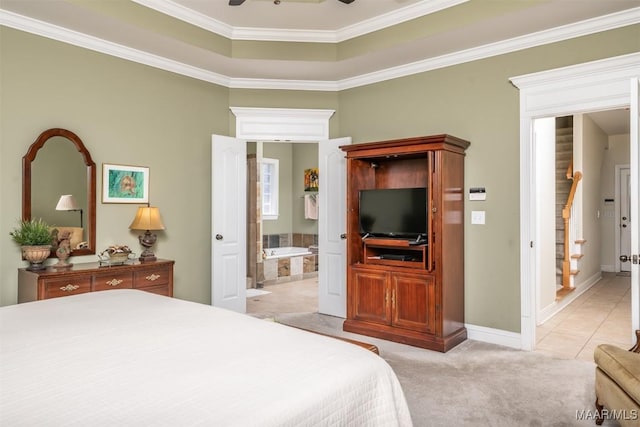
(582, 88)
(281, 125)
(617, 213)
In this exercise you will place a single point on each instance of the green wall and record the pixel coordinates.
(133, 114)
(476, 101)
(125, 113)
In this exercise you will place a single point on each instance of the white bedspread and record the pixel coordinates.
(131, 358)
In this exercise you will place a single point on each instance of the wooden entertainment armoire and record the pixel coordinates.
(419, 301)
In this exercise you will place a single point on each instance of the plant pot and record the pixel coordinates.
(36, 255)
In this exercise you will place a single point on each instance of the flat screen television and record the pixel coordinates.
(393, 212)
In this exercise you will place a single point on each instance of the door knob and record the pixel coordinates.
(343, 236)
(624, 258)
(624, 218)
(218, 236)
(624, 225)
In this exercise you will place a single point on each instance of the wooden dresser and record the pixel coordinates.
(156, 277)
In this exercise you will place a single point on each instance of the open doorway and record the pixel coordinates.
(591, 304)
(282, 229)
(229, 200)
(606, 84)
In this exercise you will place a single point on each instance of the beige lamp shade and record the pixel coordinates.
(67, 203)
(147, 218)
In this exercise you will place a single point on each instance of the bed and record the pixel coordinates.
(132, 358)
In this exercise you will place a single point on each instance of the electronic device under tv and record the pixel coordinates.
(394, 212)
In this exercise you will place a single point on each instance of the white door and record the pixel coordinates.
(625, 219)
(635, 203)
(332, 227)
(228, 223)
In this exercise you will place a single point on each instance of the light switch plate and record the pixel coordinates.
(477, 217)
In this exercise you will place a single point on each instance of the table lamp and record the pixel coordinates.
(147, 218)
(68, 203)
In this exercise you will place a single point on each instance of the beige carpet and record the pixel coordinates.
(479, 384)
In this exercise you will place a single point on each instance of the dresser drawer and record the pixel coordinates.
(122, 280)
(66, 287)
(159, 290)
(151, 277)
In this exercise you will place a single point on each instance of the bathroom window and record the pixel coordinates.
(269, 188)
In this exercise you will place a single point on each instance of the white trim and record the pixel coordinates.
(590, 26)
(598, 85)
(274, 124)
(275, 188)
(578, 29)
(618, 169)
(54, 32)
(205, 22)
(553, 309)
(493, 336)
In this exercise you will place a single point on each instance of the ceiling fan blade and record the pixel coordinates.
(238, 2)
(347, 1)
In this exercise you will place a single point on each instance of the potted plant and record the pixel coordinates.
(34, 237)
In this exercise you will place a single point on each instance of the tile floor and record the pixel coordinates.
(288, 297)
(600, 315)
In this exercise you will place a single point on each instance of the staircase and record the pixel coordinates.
(567, 254)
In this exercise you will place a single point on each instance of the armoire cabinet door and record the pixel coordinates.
(413, 297)
(370, 297)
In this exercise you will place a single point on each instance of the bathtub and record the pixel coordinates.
(286, 252)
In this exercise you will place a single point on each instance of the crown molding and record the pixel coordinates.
(189, 16)
(591, 26)
(312, 85)
(566, 32)
(54, 32)
(398, 16)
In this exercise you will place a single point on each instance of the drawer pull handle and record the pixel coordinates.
(69, 288)
(153, 277)
(114, 282)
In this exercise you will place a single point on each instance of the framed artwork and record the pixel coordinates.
(125, 184)
(311, 179)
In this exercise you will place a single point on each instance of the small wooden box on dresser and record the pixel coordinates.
(419, 299)
(156, 277)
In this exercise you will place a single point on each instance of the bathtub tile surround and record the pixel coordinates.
(304, 240)
(270, 269)
(284, 267)
(273, 241)
(295, 266)
(310, 263)
(287, 257)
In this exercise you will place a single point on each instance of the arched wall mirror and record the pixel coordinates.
(59, 164)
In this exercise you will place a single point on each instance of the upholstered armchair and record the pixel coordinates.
(618, 383)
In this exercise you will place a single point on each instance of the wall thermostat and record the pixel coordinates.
(477, 193)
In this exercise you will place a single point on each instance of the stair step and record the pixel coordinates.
(561, 293)
(577, 256)
(574, 272)
(581, 242)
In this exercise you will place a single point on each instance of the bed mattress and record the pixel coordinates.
(131, 358)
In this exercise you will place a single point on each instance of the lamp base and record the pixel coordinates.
(147, 240)
(147, 259)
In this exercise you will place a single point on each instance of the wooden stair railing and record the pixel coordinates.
(566, 216)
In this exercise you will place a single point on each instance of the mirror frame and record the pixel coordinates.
(28, 159)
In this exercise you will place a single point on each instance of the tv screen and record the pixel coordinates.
(393, 212)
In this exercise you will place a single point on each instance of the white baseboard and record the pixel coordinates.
(555, 307)
(494, 336)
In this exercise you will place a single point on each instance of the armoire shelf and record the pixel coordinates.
(402, 290)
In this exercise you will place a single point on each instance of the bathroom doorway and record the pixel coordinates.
(282, 229)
